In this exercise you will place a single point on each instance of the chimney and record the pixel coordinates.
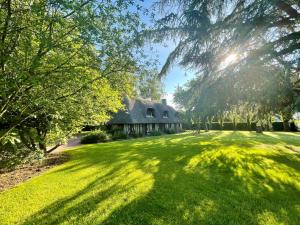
(164, 101)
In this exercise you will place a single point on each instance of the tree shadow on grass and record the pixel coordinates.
(217, 188)
(180, 179)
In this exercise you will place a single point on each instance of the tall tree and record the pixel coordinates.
(149, 85)
(227, 38)
(63, 62)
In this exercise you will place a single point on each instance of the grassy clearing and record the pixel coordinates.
(214, 178)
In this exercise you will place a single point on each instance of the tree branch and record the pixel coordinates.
(82, 5)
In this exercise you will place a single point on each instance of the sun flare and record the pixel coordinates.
(231, 58)
(228, 60)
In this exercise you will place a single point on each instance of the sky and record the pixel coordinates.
(177, 75)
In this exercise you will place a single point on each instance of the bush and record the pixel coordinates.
(215, 126)
(195, 126)
(14, 154)
(94, 137)
(228, 126)
(136, 135)
(253, 126)
(277, 126)
(187, 126)
(242, 126)
(170, 131)
(119, 136)
(155, 133)
(293, 126)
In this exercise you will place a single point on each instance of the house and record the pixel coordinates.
(142, 116)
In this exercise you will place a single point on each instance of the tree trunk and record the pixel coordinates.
(270, 122)
(52, 149)
(248, 123)
(205, 124)
(234, 124)
(221, 123)
(43, 147)
(210, 123)
(286, 117)
(42, 139)
(259, 128)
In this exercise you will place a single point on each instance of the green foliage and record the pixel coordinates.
(119, 136)
(186, 119)
(209, 31)
(170, 131)
(294, 127)
(212, 178)
(13, 153)
(96, 136)
(149, 85)
(263, 79)
(277, 126)
(64, 64)
(115, 130)
(136, 135)
(155, 133)
(240, 126)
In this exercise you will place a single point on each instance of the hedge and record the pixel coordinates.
(96, 136)
(277, 126)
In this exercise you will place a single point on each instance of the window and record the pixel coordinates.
(150, 112)
(165, 114)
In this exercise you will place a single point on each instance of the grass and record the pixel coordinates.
(214, 178)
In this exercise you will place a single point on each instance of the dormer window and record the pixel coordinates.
(150, 112)
(165, 114)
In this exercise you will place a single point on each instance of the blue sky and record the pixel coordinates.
(177, 75)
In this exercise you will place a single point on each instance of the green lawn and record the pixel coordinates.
(214, 178)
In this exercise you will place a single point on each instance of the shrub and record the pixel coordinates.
(14, 154)
(119, 136)
(277, 126)
(155, 133)
(136, 135)
(195, 126)
(170, 131)
(253, 126)
(94, 137)
(242, 126)
(293, 126)
(215, 126)
(187, 126)
(228, 126)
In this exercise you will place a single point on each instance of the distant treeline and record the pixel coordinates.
(276, 126)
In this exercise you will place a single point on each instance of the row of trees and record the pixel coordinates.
(255, 97)
(62, 64)
(246, 54)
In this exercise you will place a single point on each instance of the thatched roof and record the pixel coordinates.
(135, 112)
